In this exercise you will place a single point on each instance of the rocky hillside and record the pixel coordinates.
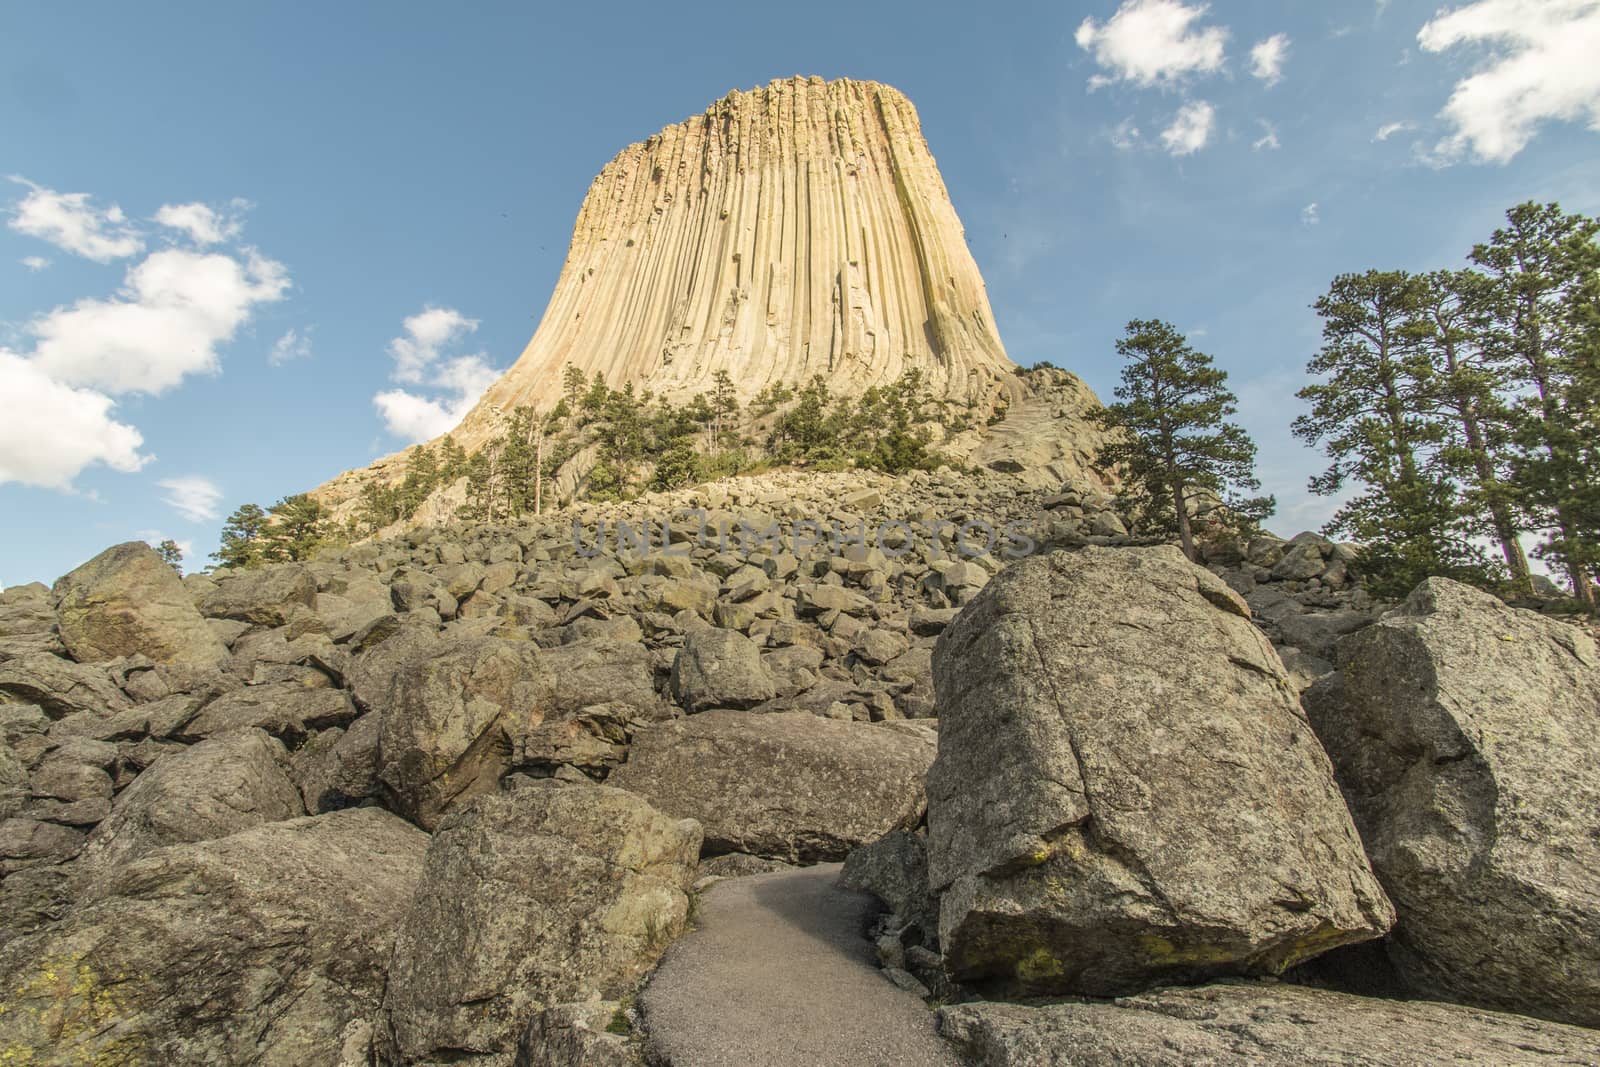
(447, 797)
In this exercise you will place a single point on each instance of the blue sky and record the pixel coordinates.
(215, 222)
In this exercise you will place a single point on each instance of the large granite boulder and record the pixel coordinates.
(290, 711)
(210, 790)
(127, 601)
(265, 947)
(454, 711)
(28, 622)
(894, 869)
(1465, 736)
(719, 668)
(266, 596)
(59, 686)
(1127, 791)
(785, 785)
(532, 897)
(1267, 1024)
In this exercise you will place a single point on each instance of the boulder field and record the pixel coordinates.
(449, 797)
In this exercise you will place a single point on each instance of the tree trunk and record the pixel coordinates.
(1505, 527)
(1185, 532)
(538, 473)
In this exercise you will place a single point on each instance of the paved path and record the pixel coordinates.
(779, 973)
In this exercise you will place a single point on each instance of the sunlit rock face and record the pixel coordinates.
(790, 231)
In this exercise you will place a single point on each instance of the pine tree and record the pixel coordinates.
(298, 528)
(1177, 446)
(1449, 324)
(724, 405)
(171, 555)
(452, 461)
(1541, 292)
(242, 537)
(572, 387)
(1374, 419)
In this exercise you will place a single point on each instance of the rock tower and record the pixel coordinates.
(789, 231)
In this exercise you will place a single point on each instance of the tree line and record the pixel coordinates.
(1456, 407)
(638, 442)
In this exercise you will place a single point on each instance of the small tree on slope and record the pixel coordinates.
(1178, 444)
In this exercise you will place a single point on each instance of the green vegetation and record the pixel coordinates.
(638, 442)
(1465, 406)
(171, 555)
(1178, 448)
(289, 531)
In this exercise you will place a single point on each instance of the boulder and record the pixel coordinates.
(719, 668)
(453, 711)
(1302, 561)
(213, 789)
(59, 687)
(441, 735)
(784, 785)
(265, 947)
(287, 710)
(576, 1035)
(127, 601)
(894, 869)
(1268, 1024)
(1127, 791)
(264, 597)
(338, 768)
(1464, 735)
(70, 785)
(28, 623)
(1318, 632)
(536, 896)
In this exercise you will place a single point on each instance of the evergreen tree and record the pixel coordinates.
(452, 461)
(422, 478)
(485, 484)
(171, 555)
(1540, 295)
(242, 537)
(572, 387)
(1468, 388)
(297, 529)
(1177, 445)
(680, 465)
(1374, 417)
(724, 405)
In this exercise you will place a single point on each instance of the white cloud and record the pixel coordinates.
(1266, 58)
(51, 431)
(1125, 134)
(1153, 42)
(419, 418)
(426, 333)
(204, 226)
(1389, 129)
(291, 346)
(193, 497)
(175, 308)
(35, 263)
(456, 383)
(1190, 129)
(1310, 215)
(73, 224)
(1268, 138)
(1540, 67)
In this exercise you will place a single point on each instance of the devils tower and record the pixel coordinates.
(789, 231)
